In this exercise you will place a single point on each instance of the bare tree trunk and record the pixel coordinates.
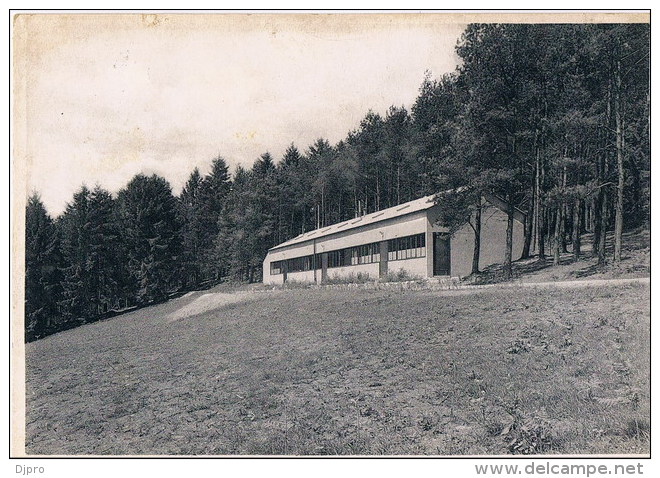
(535, 193)
(322, 214)
(529, 225)
(603, 229)
(604, 176)
(618, 217)
(377, 204)
(535, 223)
(597, 211)
(398, 184)
(600, 206)
(557, 239)
(542, 226)
(280, 219)
(576, 229)
(564, 211)
(527, 245)
(477, 239)
(563, 241)
(508, 270)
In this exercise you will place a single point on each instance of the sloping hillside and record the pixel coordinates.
(351, 372)
(635, 262)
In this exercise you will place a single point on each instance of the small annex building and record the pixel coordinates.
(406, 237)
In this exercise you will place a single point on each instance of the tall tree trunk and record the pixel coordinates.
(576, 229)
(603, 228)
(557, 238)
(398, 184)
(618, 218)
(527, 245)
(377, 202)
(508, 270)
(529, 224)
(600, 229)
(634, 217)
(322, 213)
(477, 239)
(563, 241)
(535, 193)
(540, 214)
(597, 211)
(564, 210)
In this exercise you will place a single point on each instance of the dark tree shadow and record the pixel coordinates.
(634, 242)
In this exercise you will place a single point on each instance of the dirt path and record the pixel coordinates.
(457, 287)
(572, 283)
(208, 302)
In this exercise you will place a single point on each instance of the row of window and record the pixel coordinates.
(408, 247)
(352, 256)
(296, 264)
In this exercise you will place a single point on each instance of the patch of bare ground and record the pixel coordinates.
(352, 372)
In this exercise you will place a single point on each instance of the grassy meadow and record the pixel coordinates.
(316, 372)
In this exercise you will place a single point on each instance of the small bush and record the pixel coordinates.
(400, 276)
(637, 428)
(427, 423)
(518, 347)
(529, 436)
(294, 284)
(352, 278)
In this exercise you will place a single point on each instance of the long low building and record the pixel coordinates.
(405, 237)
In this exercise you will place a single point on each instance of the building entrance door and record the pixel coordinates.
(441, 254)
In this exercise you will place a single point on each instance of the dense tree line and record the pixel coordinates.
(552, 119)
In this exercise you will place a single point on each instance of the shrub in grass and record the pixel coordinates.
(637, 428)
(529, 436)
(352, 278)
(518, 347)
(400, 276)
(294, 284)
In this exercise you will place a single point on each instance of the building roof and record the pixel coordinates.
(401, 210)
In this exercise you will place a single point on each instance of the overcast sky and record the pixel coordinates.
(109, 96)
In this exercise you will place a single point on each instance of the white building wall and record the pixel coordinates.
(493, 242)
(302, 276)
(402, 226)
(416, 268)
(339, 272)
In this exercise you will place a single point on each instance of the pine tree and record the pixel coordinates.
(104, 257)
(42, 271)
(77, 298)
(192, 224)
(149, 229)
(90, 255)
(213, 191)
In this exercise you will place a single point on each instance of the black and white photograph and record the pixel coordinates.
(330, 234)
